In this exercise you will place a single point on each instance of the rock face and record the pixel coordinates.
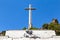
(35, 35)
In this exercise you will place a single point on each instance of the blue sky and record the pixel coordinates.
(14, 17)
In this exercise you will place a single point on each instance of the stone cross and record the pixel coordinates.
(30, 15)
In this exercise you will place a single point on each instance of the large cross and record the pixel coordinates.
(30, 15)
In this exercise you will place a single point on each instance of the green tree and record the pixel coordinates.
(3, 33)
(24, 28)
(45, 26)
(33, 28)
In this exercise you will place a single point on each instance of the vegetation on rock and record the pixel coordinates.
(54, 25)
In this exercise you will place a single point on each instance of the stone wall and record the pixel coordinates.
(39, 33)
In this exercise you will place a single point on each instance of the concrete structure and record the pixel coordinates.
(15, 33)
(38, 35)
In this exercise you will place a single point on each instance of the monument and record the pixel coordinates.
(30, 15)
(30, 35)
